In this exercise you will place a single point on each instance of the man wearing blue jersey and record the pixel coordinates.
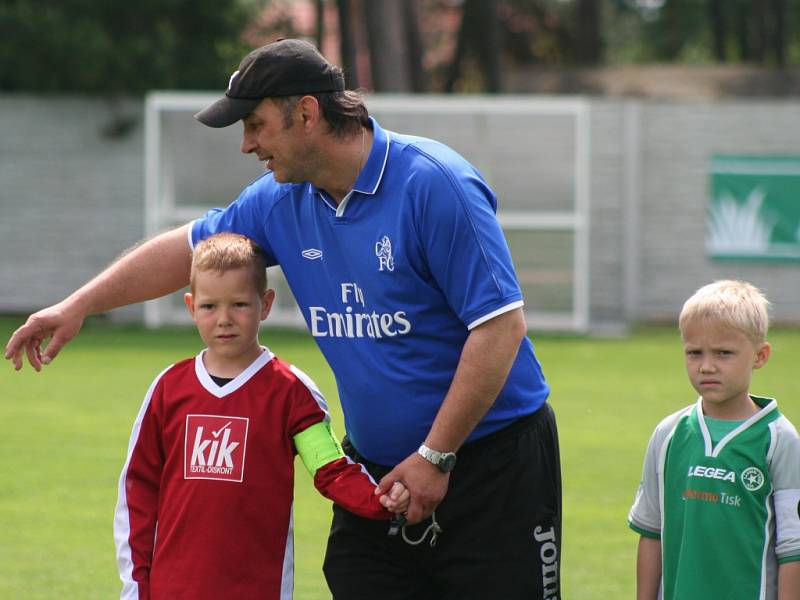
(392, 249)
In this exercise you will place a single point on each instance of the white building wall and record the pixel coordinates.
(71, 199)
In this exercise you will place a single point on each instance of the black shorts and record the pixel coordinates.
(500, 521)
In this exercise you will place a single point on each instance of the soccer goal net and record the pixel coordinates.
(533, 151)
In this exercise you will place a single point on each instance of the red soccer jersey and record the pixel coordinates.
(206, 493)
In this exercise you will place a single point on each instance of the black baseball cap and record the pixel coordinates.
(282, 68)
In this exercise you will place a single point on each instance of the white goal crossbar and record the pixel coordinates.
(496, 133)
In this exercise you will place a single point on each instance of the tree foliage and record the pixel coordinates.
(115, 47)
(120, 47)
(763, 32)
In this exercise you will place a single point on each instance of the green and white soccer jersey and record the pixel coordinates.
(727, 512)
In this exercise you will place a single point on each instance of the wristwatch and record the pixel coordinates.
(445, 461)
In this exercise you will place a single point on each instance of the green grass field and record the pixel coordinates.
(64, 435)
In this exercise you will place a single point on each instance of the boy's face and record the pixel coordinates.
(720, 362)
(227, 309)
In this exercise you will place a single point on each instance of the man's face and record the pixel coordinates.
(720, 362)
(284, 149)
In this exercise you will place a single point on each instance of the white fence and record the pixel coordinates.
(72, 204)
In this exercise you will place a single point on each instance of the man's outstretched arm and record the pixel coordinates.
(157, 267)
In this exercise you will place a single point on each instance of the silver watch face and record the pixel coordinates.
(447, 461)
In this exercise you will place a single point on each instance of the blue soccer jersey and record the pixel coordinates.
(390, 282)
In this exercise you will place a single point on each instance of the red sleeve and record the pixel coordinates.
(350, 486)
(137, 506)
(345, 482)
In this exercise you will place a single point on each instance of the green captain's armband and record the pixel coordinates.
(317, 446)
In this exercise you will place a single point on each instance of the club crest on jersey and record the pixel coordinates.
(753, 479)
(383, 250)
(214, 447)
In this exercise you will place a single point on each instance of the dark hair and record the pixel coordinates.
(345, 112)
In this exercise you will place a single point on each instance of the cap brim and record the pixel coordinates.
(226, 111)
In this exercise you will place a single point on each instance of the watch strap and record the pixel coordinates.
(442, 460)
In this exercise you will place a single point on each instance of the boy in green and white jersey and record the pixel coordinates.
(718, 507)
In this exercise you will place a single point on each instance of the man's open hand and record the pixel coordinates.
(58, 324)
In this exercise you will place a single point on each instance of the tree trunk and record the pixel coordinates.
(717, 17)
(319, 6)
(779, 31)
(454, 69)
(490, 45)
(480, 30)
(387, 47)
(742, 32)
(589, 39)
(347, 43)
(414, 44)
(759, 30)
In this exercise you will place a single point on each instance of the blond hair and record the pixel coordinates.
(737, 304)
(228, 251)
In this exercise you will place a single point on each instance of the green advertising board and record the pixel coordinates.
(754, 209)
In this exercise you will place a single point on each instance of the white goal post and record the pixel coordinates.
(534, 151)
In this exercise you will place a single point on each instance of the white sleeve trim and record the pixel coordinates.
(287, 578)
(495, 313)
(647, 511)
(189, 234)
(787, 522)
(122, 525)
(785, 478)
(313, 390)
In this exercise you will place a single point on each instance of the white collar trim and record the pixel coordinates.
(235, 383)
(709, 447)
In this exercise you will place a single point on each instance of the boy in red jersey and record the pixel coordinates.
(205, 496)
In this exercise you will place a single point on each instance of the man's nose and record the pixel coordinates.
(248, 143)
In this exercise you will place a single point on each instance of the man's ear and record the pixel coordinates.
(762, 355)
(308, 112)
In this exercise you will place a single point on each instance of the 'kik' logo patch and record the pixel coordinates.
(215, 447)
